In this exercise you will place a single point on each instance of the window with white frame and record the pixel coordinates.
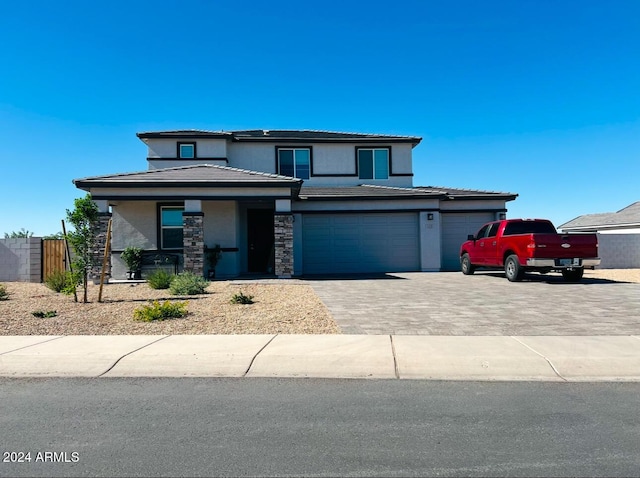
(186, 150)
(373, 163)
(171, 229)
(294, 162)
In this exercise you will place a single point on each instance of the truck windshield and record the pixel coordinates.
(529, 227)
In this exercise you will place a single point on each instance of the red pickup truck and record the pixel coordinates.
(523, 245)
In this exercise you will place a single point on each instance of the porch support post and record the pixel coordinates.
(283, 242)
(97, 254)
(193, 242)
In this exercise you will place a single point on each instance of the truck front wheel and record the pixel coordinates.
(465, 265)
(573, 275)
(512, 268)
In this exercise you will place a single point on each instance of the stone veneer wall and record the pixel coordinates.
(193, 238)
(97, 255)
(283, 232)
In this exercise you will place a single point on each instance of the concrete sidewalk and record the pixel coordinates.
(553, 358)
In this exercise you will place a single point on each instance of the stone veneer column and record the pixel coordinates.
(193, 240)
(283, 237)
(97, 254)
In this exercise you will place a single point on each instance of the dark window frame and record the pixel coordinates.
(186, 143)
(294, 148)
(160, 228)
(372, 149)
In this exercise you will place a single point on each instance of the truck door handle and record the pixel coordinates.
(494, 243)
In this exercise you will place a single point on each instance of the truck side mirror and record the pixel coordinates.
(471, 237)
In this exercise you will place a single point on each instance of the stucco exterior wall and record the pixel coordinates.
(205, 148)
(619, 251)
(21, 259)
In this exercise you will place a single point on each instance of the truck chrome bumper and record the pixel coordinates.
(556, 264)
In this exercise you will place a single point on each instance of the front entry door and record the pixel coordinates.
(260, 240)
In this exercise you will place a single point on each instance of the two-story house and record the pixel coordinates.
(288, 202)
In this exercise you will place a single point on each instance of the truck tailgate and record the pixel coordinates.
(564, 245)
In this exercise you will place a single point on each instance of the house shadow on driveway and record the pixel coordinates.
(553, 278)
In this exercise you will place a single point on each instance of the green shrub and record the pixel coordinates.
(240, 298)
(61, 281)
(4, 295)
(157, 311)
(160, 279)
(187, 283)
(41, 314)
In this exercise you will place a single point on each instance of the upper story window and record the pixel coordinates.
(373, 163)
(186, 150)
(294, 162)
(171, 229)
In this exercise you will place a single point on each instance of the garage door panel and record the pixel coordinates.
(455, 229)
(344, 243)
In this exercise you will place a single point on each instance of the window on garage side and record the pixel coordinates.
(373, 163)
(171, 230)
(294, 162)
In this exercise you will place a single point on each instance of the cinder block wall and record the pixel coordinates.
(619, 251)
(21, 260)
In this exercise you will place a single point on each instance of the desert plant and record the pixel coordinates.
(160, 279)
(240, 298)
(4, 295)
(187, 283)
(41, 314)
(132, 256)
(61, 281)
(160, 311)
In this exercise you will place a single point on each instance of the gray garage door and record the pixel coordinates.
(455, 229)
(343, 243)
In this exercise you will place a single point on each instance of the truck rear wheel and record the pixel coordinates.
(573, 275)
(466, 266)
(512, 268)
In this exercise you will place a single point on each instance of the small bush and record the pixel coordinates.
(4, 295)
(187, 283)
(157, 311)
(240, 298)
(160, 279)
(61, 281)
(41, 314)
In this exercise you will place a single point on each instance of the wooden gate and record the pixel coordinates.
(53, 256)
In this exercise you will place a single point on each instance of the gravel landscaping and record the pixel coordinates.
(280, 307)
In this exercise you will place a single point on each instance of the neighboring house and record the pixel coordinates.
(618, 235)
(288, 203)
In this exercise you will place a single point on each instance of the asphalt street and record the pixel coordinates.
(317, 427)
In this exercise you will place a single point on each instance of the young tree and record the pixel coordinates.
(84, 219)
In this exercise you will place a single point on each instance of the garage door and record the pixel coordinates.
(347, 243)
(455, 229)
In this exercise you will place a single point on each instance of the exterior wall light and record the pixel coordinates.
(430, 216)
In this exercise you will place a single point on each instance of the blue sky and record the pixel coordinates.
(539, 98)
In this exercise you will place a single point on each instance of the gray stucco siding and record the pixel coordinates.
(205, 148)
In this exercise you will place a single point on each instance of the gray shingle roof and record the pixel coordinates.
(283, 135)
(629, 215)
(457, 193)
(196, 175)
(387, 192)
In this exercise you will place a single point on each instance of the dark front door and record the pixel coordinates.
(260, 238)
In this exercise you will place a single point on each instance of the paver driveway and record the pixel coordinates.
(449, 303)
